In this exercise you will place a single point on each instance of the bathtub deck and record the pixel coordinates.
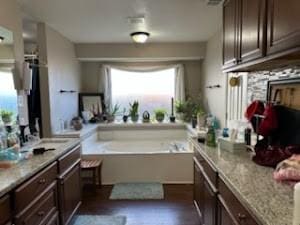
(176, 209)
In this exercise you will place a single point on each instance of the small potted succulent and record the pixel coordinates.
(125, 115)
(112, 113)
(133, 112)
(160, 114)
(6, 116)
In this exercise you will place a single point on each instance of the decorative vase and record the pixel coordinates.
(76, 122)
(134, 118)
(110, 118)
(194, 122)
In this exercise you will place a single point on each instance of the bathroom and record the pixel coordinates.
(149, 112)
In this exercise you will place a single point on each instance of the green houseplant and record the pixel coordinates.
(112, 112)
(160, 114)
(133, 111)
(6, 116)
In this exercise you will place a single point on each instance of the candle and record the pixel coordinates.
(172, 105)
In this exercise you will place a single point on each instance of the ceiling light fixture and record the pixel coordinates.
(1, 39)
(140, 37)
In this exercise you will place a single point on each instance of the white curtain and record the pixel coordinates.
(105, 78)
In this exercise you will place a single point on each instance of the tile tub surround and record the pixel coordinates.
(18, 173)
(269, 201)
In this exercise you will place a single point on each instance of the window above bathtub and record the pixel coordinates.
(152, 89)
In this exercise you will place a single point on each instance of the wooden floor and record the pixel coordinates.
(176, 209)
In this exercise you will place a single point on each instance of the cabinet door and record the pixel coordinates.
(230, 33)
(69, 193)
(5, 210)
(224, 215)
(252, 29)
(198, 189)
(283, 25)
(210, 199)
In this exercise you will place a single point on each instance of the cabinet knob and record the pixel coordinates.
(42, 181)
(41, 213)
(241, 216)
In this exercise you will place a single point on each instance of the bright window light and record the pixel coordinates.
(8, 94)
(152, 89)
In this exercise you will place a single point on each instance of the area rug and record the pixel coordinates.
(99, 220)
(137, 191)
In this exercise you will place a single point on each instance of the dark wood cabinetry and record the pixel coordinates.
(205, 192)
(5, 210)
(52, 193)
(252, 34)
(215, 202)
(230, 33)
(69, 193)
(283, 26)
(260, 34)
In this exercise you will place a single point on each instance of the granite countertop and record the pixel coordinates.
(86, 130)
(269, 201)
(18, 173)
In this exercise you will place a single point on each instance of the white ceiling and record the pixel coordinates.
(94, 21)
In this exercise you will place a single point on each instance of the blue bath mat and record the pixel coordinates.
(137, 191)
(99, 220)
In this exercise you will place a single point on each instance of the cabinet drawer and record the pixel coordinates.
(69, 159)
(238, 211)
(41, 209)
(54, 220)
(210, 171)
(5, 210)
(28, 191)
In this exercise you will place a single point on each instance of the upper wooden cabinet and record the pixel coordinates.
(260, 34)
(283, 25)
(252, 30)
(230, 33)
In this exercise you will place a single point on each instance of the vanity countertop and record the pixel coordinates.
(269, 201)
(19, 172)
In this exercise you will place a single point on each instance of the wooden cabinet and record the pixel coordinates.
(198, 189)
(205, 192)
(283, 25)
(5, 210)
(69, 193)
(215, 202)
(230, 33)
(224, 215)
(235, 210)
(54, 220)
(252, 32)
(260, 34)
(41, 209)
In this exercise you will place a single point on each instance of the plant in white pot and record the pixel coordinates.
(134, 111)
(6, 116)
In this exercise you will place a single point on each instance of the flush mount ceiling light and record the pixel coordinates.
(1, 39)
(140, 37)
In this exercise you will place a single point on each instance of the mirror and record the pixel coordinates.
(8, 94)
(6, 47)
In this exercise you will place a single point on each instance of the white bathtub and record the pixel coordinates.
(142, 155)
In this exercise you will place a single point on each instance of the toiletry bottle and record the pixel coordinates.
(211, 137)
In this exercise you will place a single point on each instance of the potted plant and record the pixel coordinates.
(160, 114)
(179, 108)
(201, 118)
(112, 112)
(125, 116)
(6, 116)
(133, 112)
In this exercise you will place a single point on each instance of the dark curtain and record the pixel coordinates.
(34, 99)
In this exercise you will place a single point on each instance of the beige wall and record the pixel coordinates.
(91, 73)
(135, 52)
(214, 99)
(63, 72)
